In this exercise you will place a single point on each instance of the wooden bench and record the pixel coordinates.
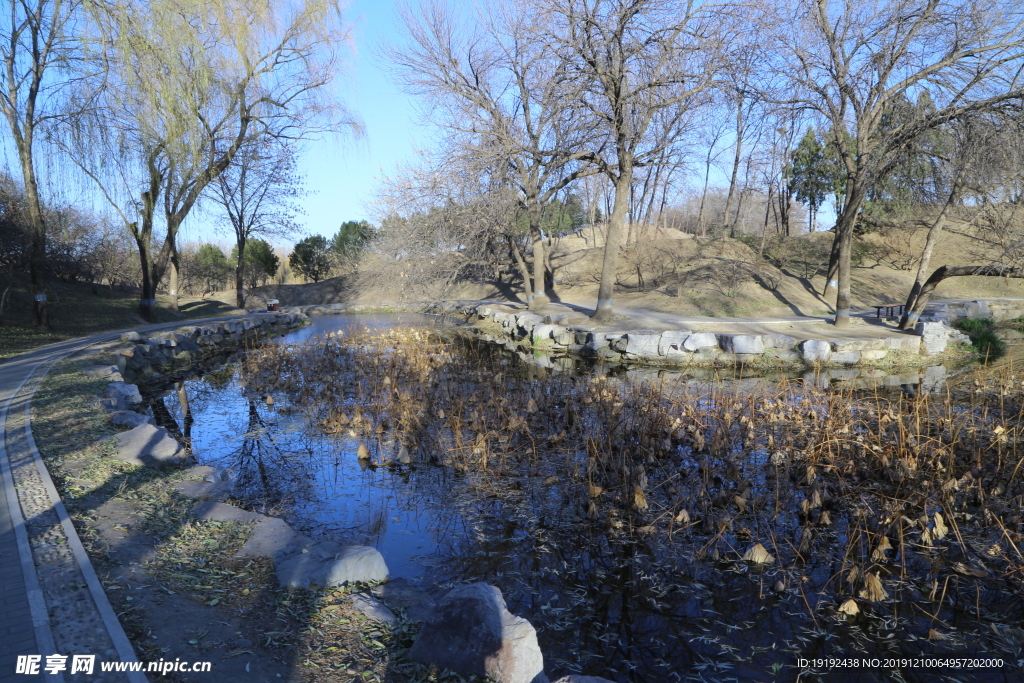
(891, 310)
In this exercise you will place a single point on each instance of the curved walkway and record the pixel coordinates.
(25, 615)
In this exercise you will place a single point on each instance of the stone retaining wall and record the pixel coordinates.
(691, 348)
(931, 342)
(143, 359)
(950, 311)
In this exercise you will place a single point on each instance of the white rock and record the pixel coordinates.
(699, 340)
(672, 343)
(816, 350)
(643, 343)
(742, 343)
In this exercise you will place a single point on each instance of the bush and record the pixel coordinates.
(983, 336)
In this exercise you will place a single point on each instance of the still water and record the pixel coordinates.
(622, 605)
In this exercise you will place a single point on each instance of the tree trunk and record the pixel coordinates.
(147, 297)
(540, 296)
(523, 269)
(704, 196)
(735, 170)
(909, 320)
(606, 291)
(844, 236)
(842, 248)
(173, 285)
(240, 274)
(37, 250)
(832, 274)
(943, 272)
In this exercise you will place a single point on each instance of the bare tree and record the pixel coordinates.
(646, 65)
(506, 98)
(853, 62)
(37, 46)
(257, 192)
(440, 224)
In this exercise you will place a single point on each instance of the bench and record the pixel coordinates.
(891, 310)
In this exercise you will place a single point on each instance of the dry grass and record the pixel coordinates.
(908, 505)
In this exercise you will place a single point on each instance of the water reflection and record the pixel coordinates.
(623, 603)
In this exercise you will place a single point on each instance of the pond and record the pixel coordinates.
(615, 512)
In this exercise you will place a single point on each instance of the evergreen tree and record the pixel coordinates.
(312, 258)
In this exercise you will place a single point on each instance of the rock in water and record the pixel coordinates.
(472, 632)
(363, 453)
(403, 457)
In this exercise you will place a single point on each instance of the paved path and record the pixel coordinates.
(865, 324)
(24, 618)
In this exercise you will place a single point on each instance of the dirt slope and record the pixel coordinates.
(713, 276)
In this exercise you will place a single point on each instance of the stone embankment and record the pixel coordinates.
(161, 356)
(686, 347)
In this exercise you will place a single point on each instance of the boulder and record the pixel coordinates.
(785, 355)
(472, 632)
(934, 337)
(203, 490)
(673, 343)
(131, 337)
(307, 564)
(816, 350)
(124, 396)
(904, 343)
(130, 419)
(221, 512)
(847, 345)
(150, 446)
(405, 595)
(106, 372)
(778, 341)
(543, 333)
(563, 336)
(742, 343)
(270, 535)
(574, 678)
(874, 354)
(845, 357)
(373, 608)
(699, 340)
(643, 343)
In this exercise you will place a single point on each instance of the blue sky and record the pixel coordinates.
(340, 172)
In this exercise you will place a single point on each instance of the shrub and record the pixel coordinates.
(983, 336)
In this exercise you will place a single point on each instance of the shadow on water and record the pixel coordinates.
(626, 590)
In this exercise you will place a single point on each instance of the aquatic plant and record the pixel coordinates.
(633, 522)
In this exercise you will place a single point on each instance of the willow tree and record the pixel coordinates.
(852, 62)
(188, 83)
(38, 43)
(645, 67)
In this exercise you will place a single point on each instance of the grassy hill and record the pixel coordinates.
(79, 309)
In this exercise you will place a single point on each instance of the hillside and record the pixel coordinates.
(679, 273)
